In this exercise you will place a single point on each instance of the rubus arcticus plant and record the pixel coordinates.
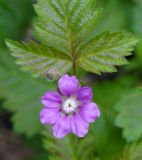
(66, 32)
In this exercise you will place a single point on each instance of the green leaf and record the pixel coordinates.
(67, 30)
(104, 52)
(42, 61)
(22, 96)
(61, 27)
(132, 152)
(129, 115)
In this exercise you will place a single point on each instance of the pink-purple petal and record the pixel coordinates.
(51, 100)
(78, 126)
(68, 85)
(49, 116)
(90, 112)
(84, 94)
(62, 127)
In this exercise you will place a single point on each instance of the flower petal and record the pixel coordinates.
(90, 112)
(49, 116)
(62, 127)
(68, 85)
(78, 126)
(51, 100)
(84, 94)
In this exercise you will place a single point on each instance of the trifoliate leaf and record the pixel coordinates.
(132, 152)
(104, 52)
(39, 59)
(61, 26)
(67, 29)
(129, 116)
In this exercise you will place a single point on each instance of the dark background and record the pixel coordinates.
(20, 129)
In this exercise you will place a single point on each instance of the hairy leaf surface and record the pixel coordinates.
(105, 51)
(39, 59)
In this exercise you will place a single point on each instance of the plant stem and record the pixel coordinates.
(74, 67)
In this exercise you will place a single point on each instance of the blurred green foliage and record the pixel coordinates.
(15, 15)
(14, 86)
(132, 151)
(129, 117)
(119, 102)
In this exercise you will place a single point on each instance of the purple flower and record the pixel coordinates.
(70, 109)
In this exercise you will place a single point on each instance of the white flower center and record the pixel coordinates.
(70, 105)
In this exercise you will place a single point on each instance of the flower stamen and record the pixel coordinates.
(69, 105)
